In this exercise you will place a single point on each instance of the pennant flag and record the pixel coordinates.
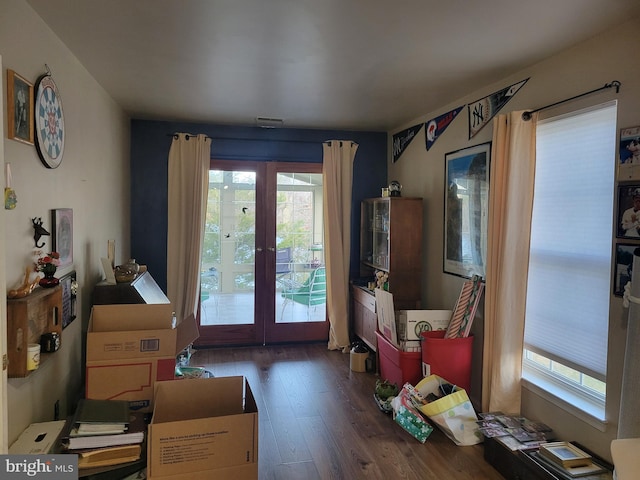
(402, 140)
(482, 111)
(437, 126)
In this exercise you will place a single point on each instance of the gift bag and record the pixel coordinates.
(452, 413)
(407, 415)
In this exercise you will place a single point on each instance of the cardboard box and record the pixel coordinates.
(131, 331)
(130, 347)
(203, 428)
(411, 323)
(37, 439)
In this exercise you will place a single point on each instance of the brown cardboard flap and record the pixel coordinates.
(128, 317)
(180, 400)
(187, 333)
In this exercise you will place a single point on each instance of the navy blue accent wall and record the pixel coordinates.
(150, 142)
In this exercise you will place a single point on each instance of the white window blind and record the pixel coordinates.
(569, 280)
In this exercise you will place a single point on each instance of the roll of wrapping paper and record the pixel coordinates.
(10, 198)
(459, 310)
(465, 309)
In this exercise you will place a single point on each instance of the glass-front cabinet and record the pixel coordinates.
(375, 242)
(391, 242)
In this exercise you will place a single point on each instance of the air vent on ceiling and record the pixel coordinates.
(266, 122)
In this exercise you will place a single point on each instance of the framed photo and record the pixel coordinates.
(62, 221)
(628, 225)
(565, 454)
(69, 293)
(19, 108)
(624, 267)
(466, 209)
(629, 147)
(629, 154)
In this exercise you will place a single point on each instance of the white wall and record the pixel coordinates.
(93, 180)
(583, 68)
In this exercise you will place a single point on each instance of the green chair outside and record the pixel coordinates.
(311, 293)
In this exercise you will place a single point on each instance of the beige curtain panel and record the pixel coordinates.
(509, 227)
(188, 174)
(337, 171)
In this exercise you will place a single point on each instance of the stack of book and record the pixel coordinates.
(104, 433)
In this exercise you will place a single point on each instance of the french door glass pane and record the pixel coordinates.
(300, 274)
(228, 257)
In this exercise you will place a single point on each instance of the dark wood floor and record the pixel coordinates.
(318, 420)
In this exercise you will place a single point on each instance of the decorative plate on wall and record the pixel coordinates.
(49, 122)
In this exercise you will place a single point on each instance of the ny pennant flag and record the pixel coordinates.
(482, 111)
(436, 126)
(402, 140)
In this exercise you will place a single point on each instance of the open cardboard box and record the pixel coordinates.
(403, 327)
(132, 346)
(203, 428)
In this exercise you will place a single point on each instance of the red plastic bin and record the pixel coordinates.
(397, 366)
(449, 358)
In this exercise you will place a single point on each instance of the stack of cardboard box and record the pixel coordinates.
(200, 427)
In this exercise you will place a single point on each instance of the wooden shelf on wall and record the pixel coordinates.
(27, 319)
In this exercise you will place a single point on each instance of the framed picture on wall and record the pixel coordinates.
(69, 293)
(19, 108)
(62, 221)
(628, 224)
(629, 154)
(624, 267)
(466, 208)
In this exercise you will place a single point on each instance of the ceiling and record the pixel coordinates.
(337, 64)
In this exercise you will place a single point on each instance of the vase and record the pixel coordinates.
(49, 281)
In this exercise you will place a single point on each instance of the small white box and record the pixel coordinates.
(411, 323)
(37, 439)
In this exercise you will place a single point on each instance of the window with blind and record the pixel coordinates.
(569, 278)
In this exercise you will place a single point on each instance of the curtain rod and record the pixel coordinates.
(614, 84)
(187, 135)
(175, 135)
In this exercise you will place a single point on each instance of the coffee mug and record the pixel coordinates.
(33, 356)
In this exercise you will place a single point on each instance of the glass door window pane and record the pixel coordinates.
(299, 231)
(228, 261)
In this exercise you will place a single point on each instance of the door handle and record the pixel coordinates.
(258, 249)
(272, 249)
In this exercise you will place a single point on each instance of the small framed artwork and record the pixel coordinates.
(628, 225)
(629, 154)
(565, 454)
(466, 209)
(624, 267)
(62, 221)
(629, 149)
(69, 293)
(19, 108)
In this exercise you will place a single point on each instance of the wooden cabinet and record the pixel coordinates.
(365, 320)
(27, 319)
(391, 241)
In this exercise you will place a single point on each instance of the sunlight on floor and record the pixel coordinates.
(237, 309)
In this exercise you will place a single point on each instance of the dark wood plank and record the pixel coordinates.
(318, 420)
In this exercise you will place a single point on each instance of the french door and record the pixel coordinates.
(263, 279)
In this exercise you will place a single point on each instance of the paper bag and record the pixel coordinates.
(453, 413)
